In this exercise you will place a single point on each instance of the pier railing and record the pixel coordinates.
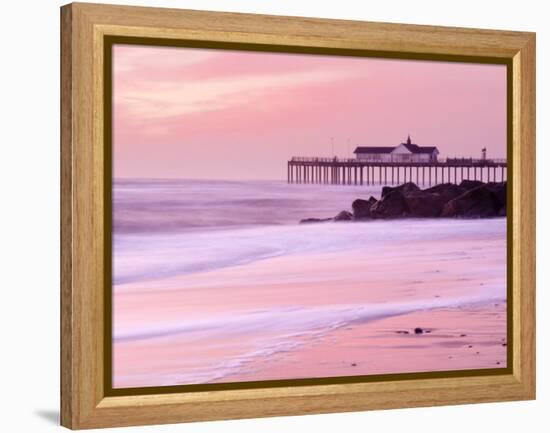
(399, 160)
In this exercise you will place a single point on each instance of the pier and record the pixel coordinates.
(353, 171)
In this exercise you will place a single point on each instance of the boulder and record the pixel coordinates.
(499, 189)
(480, 202)
(392, 205)
(314, 220)
(404, 188)
(343, 216)
(470, 184)
(447, 191)
(361, 208)
(424, 204)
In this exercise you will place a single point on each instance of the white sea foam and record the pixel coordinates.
(140, 257)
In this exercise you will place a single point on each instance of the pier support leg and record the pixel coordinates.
(288, 173)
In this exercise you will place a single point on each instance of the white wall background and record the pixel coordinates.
(29, 233)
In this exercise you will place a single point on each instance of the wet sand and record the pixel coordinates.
(459, 338)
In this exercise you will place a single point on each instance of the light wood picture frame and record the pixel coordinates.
(87, 33)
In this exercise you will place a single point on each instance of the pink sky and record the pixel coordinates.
(213, 114)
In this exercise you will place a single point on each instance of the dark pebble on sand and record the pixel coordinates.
(418, 330)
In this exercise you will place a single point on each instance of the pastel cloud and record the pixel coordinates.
(182, 112)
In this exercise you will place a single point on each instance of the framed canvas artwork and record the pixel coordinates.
(268, 215)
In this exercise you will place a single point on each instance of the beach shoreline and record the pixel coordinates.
(459, 338)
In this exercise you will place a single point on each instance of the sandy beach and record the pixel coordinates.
(366, 349)
(348, 311)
